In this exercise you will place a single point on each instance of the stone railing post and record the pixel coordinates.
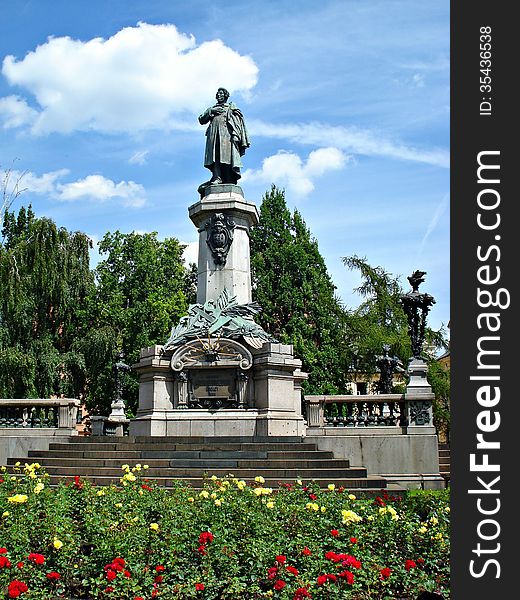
(315, 406)
(68, 412)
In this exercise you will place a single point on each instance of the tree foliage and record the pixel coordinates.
(62, 325)
(44, 281)
(142, 289)
(291, 283)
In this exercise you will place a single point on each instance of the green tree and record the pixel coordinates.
(44, 281)
(378, 320)
(291, 283)
(142, 289)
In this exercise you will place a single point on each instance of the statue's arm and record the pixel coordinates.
(206, 116)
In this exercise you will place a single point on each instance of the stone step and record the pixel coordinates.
(138, 456)
(187, 472)
(370, 484)
(236, 439)
(195, 447)
(48, 460)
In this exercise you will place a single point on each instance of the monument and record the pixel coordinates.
(219, 373)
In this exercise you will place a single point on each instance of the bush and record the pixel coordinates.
(230, 540)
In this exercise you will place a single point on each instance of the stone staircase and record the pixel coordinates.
(278, 460)
(445, 462)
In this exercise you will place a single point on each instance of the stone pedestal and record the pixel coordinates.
(223, 218)
(419, 399)
(166, 396)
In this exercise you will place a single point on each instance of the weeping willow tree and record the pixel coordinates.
(44, 281)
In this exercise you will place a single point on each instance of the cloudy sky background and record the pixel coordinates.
(346, 102)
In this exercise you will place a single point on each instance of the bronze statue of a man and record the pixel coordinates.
(226, 139)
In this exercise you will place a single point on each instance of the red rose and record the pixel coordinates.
(279, 584)
(53, 576)
(292, 570)
(118, 564)
(322, 579)
(202, 550)
(272, 572)
(3, 550)
(78, 484)
(331, 556)
(347, 576)
(159, 579)
(280, 559)
(20, 565)
(127, 574)
(334, 532)
(410, 564)
(37, 559)
(16, 588)
(353, 540)
(385, 573)
(4, 562)
(313, 496)
(206, 537)
(111, 575)
(146, 487)
(138, 598)
(199, 587)
(420, 561)
(332, 578)
(306, 551)
(301, 593)
(109, 589)
(159, 569)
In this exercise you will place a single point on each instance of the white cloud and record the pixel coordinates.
(289, 170)
(141, 78)
(350, 139)
(15, 112)
(92, 187)
(97, 187)
(139, 157)
(38, 184)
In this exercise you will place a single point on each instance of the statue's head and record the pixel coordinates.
(222, 94)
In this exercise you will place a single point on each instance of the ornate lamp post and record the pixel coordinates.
(416, 306)
(419, 395)
(117, 412)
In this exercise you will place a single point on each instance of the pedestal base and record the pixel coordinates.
(274, 389)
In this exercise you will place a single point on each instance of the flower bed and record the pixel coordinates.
(232, 540)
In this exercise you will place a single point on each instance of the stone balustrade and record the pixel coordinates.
(370, 410)
(38, 413)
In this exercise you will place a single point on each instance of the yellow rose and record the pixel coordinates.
(270, 504)
(204, 494)
(351, 497)
(101, 493)
(191, 499)
(331, 487)
(57, 543)
(154, 526)
(6, 513)
(218, 502)
(349, 516)
(259, 479)
(18, 499)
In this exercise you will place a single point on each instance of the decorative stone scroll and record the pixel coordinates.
(219, 352)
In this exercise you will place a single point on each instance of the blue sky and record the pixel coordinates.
(346, 102)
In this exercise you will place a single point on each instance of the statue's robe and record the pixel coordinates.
(226, 138)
